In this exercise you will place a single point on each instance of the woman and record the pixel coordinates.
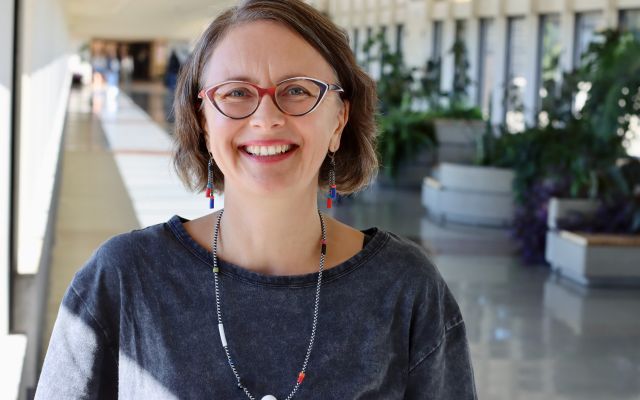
(268, 298)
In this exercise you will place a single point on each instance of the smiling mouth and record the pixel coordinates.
(269, 151)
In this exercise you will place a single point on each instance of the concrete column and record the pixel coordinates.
(6, 98)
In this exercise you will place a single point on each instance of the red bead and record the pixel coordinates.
(208, 192)
(300, 377)
(328, 202)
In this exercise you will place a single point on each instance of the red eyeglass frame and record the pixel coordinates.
(271, 91)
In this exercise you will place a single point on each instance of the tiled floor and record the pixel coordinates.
(532, 336)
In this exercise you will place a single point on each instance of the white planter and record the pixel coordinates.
(561, 208)
(595, 260)
(470, 194)
(457, 139)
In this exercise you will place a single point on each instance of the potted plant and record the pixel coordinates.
(478, 193)
(458, 125)
(600, 244)
(564, 157)
(406, 141)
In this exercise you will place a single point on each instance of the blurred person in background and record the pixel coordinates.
(126, 67)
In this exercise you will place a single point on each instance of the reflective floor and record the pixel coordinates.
(532, 335)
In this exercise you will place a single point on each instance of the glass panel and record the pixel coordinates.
(399, 37)
(436, 47)
(517, 47)
(461, 78)
(586, 28)
(486, 64)
(549, 70)
(630, 21)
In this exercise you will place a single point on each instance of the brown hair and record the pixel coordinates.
(356, 161)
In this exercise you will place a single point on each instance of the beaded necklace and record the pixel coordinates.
(223, 338)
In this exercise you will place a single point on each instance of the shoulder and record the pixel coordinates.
(431, 297)
(121, 253)
(409, 258)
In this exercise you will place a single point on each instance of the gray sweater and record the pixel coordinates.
(139, 322)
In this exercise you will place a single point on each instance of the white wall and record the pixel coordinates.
(44, 87)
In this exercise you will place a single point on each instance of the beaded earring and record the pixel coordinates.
(210, 182)
(332, 181)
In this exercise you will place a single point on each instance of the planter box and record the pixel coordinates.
(595, 259)
(457, 139)
(561, 208)
(590, 259)
(470, 194)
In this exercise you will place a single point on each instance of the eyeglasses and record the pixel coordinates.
(294, 96)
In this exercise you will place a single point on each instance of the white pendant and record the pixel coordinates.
(269, 397)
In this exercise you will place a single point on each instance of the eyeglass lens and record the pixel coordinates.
(239, 99)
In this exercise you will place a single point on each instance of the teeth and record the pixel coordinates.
(267, 150)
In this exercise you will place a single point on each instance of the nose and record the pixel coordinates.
(267, 115)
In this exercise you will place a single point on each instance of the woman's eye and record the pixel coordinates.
(296, 91)
(236, 93)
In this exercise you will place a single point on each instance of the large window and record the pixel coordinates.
(587, 25)
(461, 80)
(399, 38)
(436, 44)
(367, 54)
(549, 70)
(486, 64)
(516, 82)
(355, 48)
(630, 20)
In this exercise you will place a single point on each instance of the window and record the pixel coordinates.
(630, 21)
(585, 32)
(367, 55)
(516, 81)
(486, 64)
(356, 32)
(436, 44)
(549, 72)
(399, 37)
(461, 79)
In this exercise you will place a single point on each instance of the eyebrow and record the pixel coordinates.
(246, 78)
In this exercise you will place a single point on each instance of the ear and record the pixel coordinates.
(343, 118)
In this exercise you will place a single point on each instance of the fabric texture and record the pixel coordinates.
(139, 322)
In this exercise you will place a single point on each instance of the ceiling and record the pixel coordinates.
(141, 19)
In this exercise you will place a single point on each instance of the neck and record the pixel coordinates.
(271, 236)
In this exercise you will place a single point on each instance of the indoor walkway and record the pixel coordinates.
(532, 336)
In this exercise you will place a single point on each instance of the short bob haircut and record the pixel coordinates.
(356, 161)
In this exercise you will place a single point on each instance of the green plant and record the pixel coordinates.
(403, 132)
(458, 97)
(612, 68)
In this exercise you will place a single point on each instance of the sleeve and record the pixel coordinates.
(440, 364)
(446, 372)
(82, 358)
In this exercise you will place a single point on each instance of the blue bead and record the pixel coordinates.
(211, 202)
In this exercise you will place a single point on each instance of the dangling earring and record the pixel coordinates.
(332, 181)
(210, 182)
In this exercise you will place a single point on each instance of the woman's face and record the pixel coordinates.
(265, 53)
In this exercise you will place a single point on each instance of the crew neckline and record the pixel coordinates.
(377, 239)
